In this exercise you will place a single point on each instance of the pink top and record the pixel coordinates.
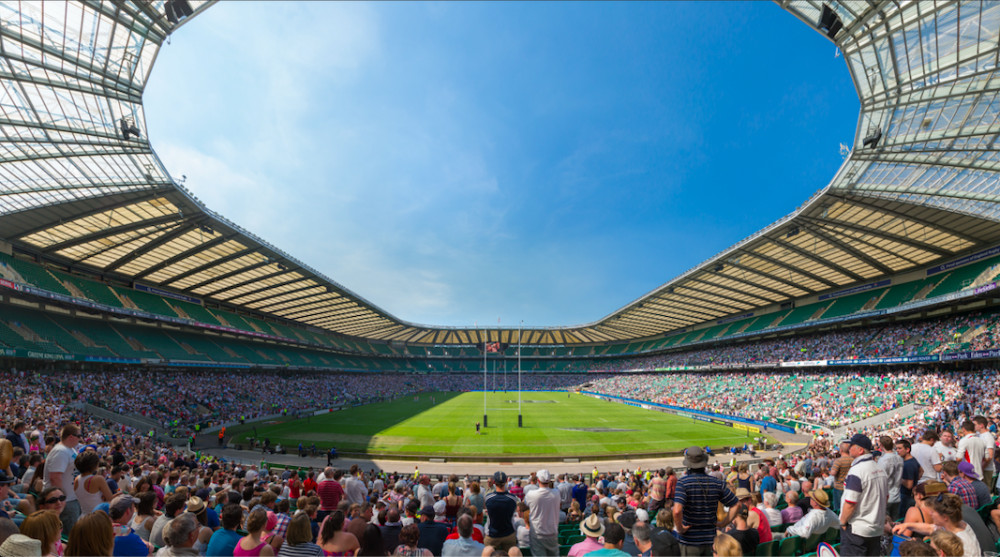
(240, 552)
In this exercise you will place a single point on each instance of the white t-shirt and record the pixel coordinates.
(972, 450)
(970, 545)
(990, 443)
(928, 459)
(61, 459)
(945, 452)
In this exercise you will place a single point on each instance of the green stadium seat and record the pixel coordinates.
(790, 546)
(768, 549)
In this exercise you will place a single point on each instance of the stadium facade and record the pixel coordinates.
(104, 256)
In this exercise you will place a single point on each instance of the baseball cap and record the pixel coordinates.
(499, 478)
(543, 476)
(862, 441)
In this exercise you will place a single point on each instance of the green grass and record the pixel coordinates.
(447, 427)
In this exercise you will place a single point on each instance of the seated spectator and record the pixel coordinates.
(464, 545)
(332, 537)
(409, 536)
(252, 545)
(593, 529)
(726, 546)
(223, 541)
(91, 535)
(45, 527)
(947, 514)
(614, 537)
(299, 540)
(792, 513)
(181, 534)
(819, 519)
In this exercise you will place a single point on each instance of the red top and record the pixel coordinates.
(330, 493)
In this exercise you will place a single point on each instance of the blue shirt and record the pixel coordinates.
(768, 484)
(212, 518)
(700, 494)
(130, 545)
(222, 543)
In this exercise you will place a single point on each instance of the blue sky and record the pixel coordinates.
(461, 162)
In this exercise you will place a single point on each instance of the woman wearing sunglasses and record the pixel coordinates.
(52, 499)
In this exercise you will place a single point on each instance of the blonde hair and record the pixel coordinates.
(947, 542)
(727, 546)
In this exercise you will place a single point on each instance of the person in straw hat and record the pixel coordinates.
(593, 528)
(819, 519)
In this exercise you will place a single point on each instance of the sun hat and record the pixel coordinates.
(19, 545)
(821, 498)
(592, 527)
(695, 457)
(195, 505)
(742, 493)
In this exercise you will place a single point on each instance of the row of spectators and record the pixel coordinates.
(903, 339)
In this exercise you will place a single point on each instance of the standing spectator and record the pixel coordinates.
(839, 471)
(927, 456)
(989, 444)
(565, 493)
(543, 503)
(912, 472)
(500, 508)
(657, 492)
(862, 513)
(354, 487)
(695, 502)
(971, 447)
(580, 492)
(892, 464)
(58, 472)
(946, 446)
(330, 492)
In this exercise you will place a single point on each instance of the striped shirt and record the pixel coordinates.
(700, 495)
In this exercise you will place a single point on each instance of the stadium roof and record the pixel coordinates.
(79, 183)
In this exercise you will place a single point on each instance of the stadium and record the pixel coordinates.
(134, 310)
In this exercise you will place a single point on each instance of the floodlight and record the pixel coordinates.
(872, 140)
(128, 128)
(830, 22)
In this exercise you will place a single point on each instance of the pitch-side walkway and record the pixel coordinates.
(791, 442)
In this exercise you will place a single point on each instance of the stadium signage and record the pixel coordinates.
(985, 288)
(972, 355)
(167, 294)
(964, 261)
(855, 290)
(804, 363)
(877, 361)
(734, 318)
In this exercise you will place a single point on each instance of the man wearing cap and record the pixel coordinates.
(500, 508)
(819, 519)
(544, 506)
(59, 467)
(432, 534)
(983, 495)
(593, 528)
(862, 509)
(127, 542)
(958, 484)
(5, 483)
(695, 502)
